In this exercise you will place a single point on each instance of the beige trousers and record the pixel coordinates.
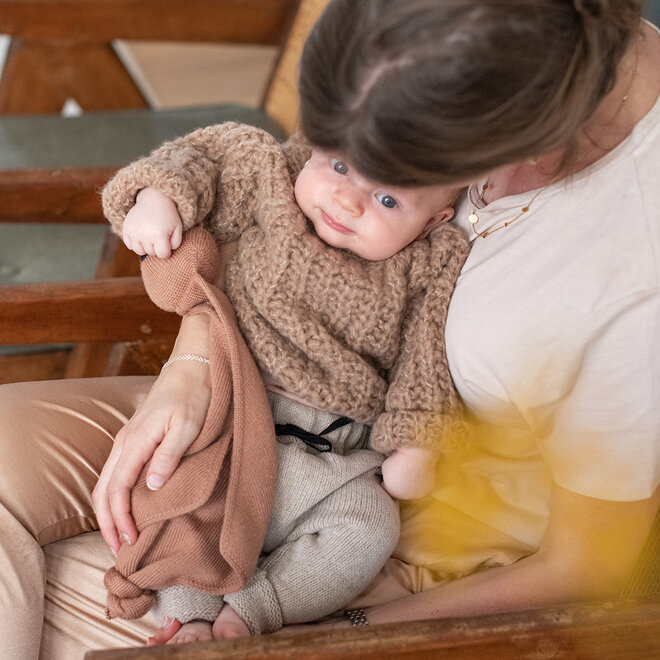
(54, 439)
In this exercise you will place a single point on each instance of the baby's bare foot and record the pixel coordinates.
(229, 624)
(168, 628)
(193, 631)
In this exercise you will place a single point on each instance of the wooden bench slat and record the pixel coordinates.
(612, 630)
(106, 310)
(64, 195)
(257, 21)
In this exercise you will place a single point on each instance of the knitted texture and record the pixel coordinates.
(208, 536)
(328, 536)
(360, 338)
(186, 604)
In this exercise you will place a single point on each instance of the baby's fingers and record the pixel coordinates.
(161, 248)
(176, 237)
(135, 245)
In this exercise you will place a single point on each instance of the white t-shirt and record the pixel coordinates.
(551, 340)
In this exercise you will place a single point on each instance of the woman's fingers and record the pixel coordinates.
(160, 432)
(137, 448)
(102, 504)
(167, 456)
(164, 454)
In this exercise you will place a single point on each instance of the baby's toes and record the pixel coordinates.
(198, 631)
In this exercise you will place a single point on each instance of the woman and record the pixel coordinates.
(549, 110)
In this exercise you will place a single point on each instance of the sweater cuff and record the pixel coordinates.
(441, 432)
(121, 191)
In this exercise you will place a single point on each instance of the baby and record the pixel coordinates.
(340, 286)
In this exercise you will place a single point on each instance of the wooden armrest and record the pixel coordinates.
(53, 195)
(237, 21)
(104, 310)
(624, 629)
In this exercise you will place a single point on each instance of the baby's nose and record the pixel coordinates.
(349, 199)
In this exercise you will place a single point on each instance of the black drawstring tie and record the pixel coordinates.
(314, 440)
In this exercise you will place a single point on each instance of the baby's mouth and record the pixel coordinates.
(333, 224)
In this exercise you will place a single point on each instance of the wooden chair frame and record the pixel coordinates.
(622, 630)
(58, 48)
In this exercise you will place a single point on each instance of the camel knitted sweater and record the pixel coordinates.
(359, 338)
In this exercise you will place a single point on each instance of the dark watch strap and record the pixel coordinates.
(357, 617)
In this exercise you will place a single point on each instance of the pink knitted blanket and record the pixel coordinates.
(205, 528)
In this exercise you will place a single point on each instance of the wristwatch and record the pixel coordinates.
(357, 617)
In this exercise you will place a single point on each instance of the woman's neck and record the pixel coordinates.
(635, 92)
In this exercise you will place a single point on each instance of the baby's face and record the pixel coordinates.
(371, 220)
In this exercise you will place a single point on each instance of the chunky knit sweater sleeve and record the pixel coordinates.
(212, 174)
(422, 407)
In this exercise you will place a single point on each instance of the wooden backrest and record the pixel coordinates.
(611, 630)
(281, 99)
(62, 50)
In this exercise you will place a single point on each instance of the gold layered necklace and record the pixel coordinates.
(474, 217)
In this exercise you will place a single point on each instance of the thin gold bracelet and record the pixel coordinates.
(187, 356)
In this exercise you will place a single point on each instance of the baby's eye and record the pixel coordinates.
(339, 166)
(387, 200)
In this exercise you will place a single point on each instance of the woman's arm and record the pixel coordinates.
(588, 552)
(161, 430)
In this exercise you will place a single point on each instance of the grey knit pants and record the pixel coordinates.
(332, 528)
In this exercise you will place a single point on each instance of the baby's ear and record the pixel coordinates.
(436, 220)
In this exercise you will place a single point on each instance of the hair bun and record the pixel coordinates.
(590, 8)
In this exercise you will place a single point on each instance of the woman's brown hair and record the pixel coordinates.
(416, 92)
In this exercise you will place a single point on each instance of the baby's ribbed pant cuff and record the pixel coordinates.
(257, 605)
(186, 604)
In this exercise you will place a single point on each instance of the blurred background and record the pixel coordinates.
(172, 75)
(175, 75)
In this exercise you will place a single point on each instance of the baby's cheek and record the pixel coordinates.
(300, 191)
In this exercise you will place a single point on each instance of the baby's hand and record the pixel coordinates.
(153, 226)
(409, 473)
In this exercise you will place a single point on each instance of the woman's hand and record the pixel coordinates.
(161, 430)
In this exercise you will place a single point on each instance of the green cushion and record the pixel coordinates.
(107, 138)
